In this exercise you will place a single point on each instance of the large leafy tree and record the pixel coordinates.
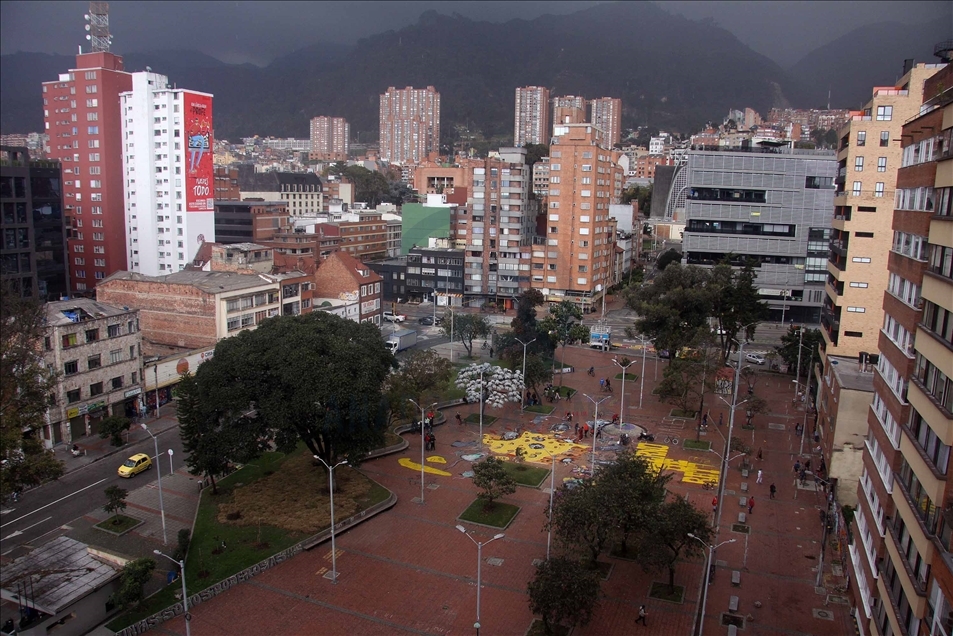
(420, 378)
(563, 592)
(135, 574)
(525, 328)
(581, 519)
(736, 304)
(465, 328)
(564, 326)
(674, 308)
(314, 378)
(25, 389)
(636, 490)
(791, 343)
(666, 539)
(492, 480)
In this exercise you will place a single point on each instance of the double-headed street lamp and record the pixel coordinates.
(185, 596)
(525, 344)
(704, 591)
(334, 567)
(625, 367)
(421, 445)
(165, 540)
(552, 490)
(595, 427)
(479, 546)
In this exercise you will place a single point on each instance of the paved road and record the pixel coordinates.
(44, 509)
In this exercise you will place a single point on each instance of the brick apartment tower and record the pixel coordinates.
(607, 116)
(409, 124)
(82, 117)
(574, 259)
(569, 109)
(531, 116)
(901, 555)
(330, 138)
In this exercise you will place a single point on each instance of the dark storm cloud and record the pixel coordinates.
(257, 32)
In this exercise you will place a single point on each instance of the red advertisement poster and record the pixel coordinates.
(200, 173)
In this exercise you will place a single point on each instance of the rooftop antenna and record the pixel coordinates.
(828, 98)
(98, 26)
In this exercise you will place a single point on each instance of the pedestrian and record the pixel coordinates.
(705, 420)
(585, 430)
(576, 429)
(642, 615)
(760, 476)
(569, 415)
(602, 384)
(750, 505)
(802, 476)
(714, 503)
(459, 419)
(797, 466)
(807, 464)
(760, 457)
(491, 352)
(608, 386)
(721, 421)
(774, 491)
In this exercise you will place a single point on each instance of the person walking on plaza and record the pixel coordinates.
(760, 475)
(760, 456)
(714, 504)
(642, 615)
(774, 491)
(721, 421)
(750, 505)
(459, 419)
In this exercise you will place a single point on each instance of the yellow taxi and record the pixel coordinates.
(135, 465)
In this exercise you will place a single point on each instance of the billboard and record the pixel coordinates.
(200, 173)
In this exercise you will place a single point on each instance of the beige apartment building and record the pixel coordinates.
(330, 139)
(409, 124)
(575, 257)
(607, 117)
(531, 116)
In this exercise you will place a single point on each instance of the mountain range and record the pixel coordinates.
(671, 72)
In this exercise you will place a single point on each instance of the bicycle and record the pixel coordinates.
(592, 372)
(671, 440)
(484, 347)
(710, 484)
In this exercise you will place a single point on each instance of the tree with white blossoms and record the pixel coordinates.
(501, 385)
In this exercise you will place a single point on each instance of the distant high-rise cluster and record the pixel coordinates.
(409, 124)
(330, 138)
(532, 116)
(607, 117)
(569, 109)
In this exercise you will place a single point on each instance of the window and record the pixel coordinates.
(884, 138)
(116, 383)
(92, 335)
(71, 368)
(856, 188)
(881, 164)
(879, 189)
(69, 340)
(858, 164)
(92, 130)
(92, 116)
(860, 285)
(96, 389)
(72, 396)
(861, 137)
(115, 356)
(94, 362)
(884, 113)
(856, 310)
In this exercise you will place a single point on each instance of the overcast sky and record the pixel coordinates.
(257, 32)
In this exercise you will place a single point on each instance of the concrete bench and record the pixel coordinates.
(744, 486)
(742, 517)
(732, 630)
(733, 604)
(736, 578)
(744, 472)
(743, 502)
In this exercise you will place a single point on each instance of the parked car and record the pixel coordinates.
(663, 354)
(392, 317)
(135, 465)
(754, 358)
(426, 320)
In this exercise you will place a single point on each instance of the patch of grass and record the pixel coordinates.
(499, 516)
(686, 414)
(537, 628)
(474, 418)
(696, 445)
(541, 408)
(663, 592)
(526, 475)
(281, 500)
(566, 391)
(629, 377)
(118, 524)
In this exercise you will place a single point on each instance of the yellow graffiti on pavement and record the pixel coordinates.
(555, 445)
(406, 462)
(692, 472)
(436, 459)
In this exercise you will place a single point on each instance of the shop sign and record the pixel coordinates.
(132, 392)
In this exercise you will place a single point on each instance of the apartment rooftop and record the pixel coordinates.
(62, 313)
(766, 148)
(208, 282)
(850, 376)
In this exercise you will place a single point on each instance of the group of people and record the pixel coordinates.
(430, 442)
(605, 385)
(532, 398)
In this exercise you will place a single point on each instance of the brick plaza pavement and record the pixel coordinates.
(410, 571)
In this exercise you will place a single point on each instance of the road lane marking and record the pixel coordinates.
(19, 532)
(53, 502)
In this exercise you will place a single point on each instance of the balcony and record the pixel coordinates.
(919, 584)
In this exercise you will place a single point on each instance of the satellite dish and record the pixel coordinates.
(87, 27)
(89, 37)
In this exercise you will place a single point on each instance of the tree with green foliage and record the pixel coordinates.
(668, 257)
(525, 328)
(26, 389)
(538, 372)
(736, 304)
(674, 308)
(686, 381)
(465, 328)
(370, 186)
(665, 539)
(492, 480)
(113, 427)
(580, 519)
(791, 343)
(640, 194)
(636, 490)
(563, 592)
(314, 378)
(564, 326)
(115, 501)
(421, 377)
(135, 574)
(535, 152)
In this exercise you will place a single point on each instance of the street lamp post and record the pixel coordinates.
(595, 427)
(797, 376)
(479, 546)
(334, 564)
(165, 540)
(421, 446)
(435, 305)
(723, 473)
(703, 592)
(807, 389)
(625, 368)
(525, 344)
(552, 489)
(185, 597)
(642, 341)
(155, 370)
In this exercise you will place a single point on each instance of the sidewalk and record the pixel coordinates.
(95, 448)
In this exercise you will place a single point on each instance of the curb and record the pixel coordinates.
(116, 450)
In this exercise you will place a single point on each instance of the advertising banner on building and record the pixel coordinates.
(199, 181)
